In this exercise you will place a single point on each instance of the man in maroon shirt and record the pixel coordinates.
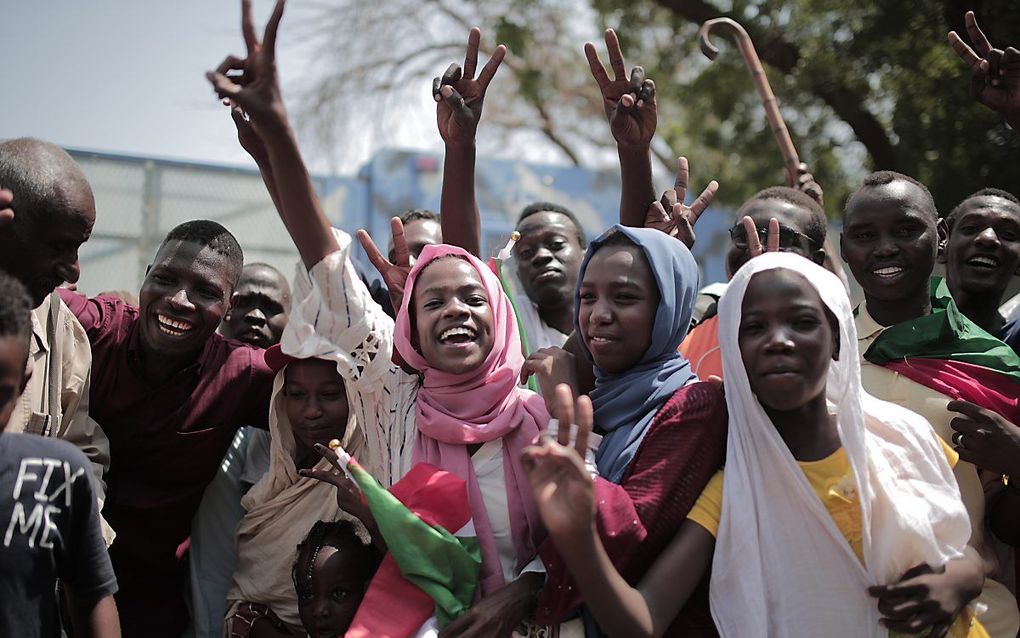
(170, 394)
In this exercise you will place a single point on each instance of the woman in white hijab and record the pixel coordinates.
(837, 514)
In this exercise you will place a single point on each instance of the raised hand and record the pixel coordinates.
(563, 488)
(348, 496)
(252, 83)
(629, 103)
(995, 79)
(394, 273)
(459, 95)
(806, 184)
(671, 216)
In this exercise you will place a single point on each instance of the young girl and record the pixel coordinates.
(309, 406)
(665, 433)
(334, 565)
(837, 514)
(459, 408)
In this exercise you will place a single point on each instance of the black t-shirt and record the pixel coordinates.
(49, 529)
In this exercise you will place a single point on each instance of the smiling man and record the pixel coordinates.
(982, 255)
(170, 393)
(548, 256)
(908, 322)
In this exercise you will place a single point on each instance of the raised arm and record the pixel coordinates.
(630, 108)
(671, 215)
(565, 495)
(995, 73)
(459, 97)
(253, 85)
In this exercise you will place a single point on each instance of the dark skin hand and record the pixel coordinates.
(995, 73)
(500, 613)
(252, 84)
(565, 494)
(985, 439)
(552, 367)
(629, 104)
(348, 496)
(927, 599)
(95, 618)
(394, 273)
(459, 98)
(671, 216)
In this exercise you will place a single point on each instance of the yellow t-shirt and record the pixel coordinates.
(833, 481)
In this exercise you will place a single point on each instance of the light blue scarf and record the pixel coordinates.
(625, 403)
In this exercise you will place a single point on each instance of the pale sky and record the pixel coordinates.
(128, 77)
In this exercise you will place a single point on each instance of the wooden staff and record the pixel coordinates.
(791, 160)
(761, 83)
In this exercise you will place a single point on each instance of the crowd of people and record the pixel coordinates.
(232, 454)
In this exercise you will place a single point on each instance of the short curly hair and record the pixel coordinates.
(15, 309)
(984, 192)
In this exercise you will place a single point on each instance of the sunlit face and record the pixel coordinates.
(786, 340)
(328, 601)
(13, 359)
(315, 400)
(453, 316)
(889, 241)
(258, 309)
(185, 294)
(983, 249)
(618, 301)
(548, 255)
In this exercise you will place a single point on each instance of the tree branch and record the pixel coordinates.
(783, 56)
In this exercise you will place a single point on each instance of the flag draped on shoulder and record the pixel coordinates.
(428, 571)
(949, 353)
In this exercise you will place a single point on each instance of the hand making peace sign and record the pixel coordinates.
(459, 95)
(256, 89)
(629, 104)
(671, 215)
(995, 81)
(394, 273)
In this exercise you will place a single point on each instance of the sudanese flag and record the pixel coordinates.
(428, 571)
(949, 353)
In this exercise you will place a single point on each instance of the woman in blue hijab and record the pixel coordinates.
(664, 432)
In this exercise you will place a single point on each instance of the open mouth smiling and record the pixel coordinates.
(173, 327)
(984, 261)
(887, 272)
(458, 336)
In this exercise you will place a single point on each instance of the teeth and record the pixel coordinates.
(172, 327)
(600, 339)
(984, 261)
(889, 271)
(460, 330)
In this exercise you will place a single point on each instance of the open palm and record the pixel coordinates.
(564, 490)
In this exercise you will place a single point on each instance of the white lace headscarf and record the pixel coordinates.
(782, 568)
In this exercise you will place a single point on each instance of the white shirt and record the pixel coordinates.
(338, 307)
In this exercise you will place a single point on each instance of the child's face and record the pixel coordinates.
(889, 241)
(618, 301)
(786, 340)
(328, 601)
(13, 359)
(453, 316)
(315, 400)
